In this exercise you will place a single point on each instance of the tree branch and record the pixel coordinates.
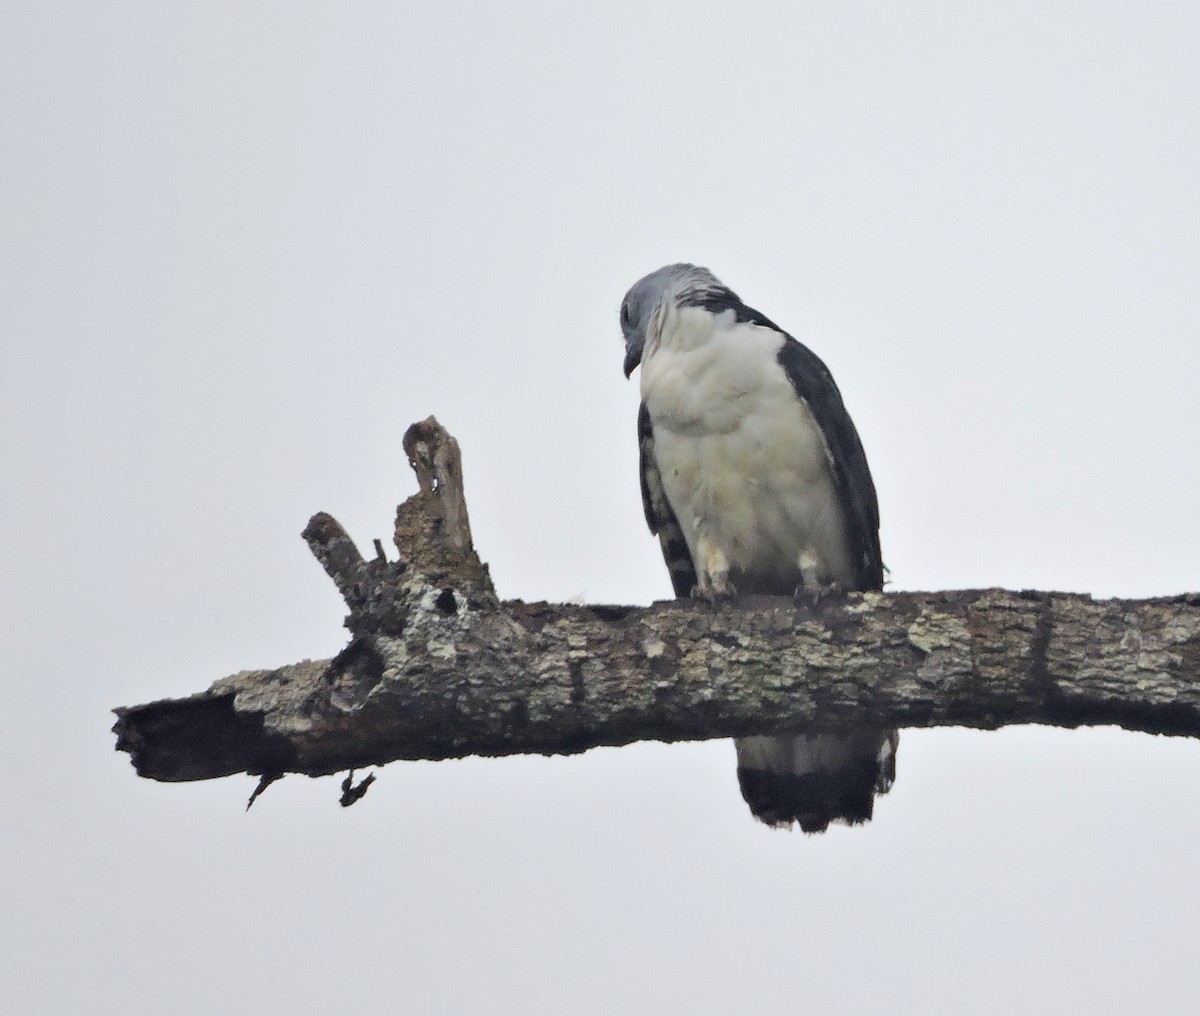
(437, 668)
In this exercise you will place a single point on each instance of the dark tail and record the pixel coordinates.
(817, 779)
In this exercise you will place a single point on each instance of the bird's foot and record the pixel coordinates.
(726, 592)
(814, 594)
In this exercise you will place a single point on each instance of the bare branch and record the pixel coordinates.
(437, 668)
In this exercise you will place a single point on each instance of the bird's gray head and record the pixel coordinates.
(678, 285)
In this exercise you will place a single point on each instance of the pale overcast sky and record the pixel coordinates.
(245, 245)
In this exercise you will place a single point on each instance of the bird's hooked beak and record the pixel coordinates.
(633, 353)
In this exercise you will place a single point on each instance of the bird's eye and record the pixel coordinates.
(624, 314)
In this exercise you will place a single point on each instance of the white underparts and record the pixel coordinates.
(743, 462)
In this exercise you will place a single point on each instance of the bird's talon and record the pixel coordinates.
(813, 595)
(714, 595)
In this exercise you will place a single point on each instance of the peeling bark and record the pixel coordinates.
(437, 668)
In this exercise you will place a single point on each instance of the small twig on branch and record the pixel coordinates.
(265, 781)
(351, 793)
(437, 668)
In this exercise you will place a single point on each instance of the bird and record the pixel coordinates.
(755, 481)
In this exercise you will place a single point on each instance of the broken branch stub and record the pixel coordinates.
(433, 530)
(433, 536)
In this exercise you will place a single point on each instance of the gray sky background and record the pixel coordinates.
(245, 245)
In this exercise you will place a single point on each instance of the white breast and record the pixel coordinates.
(743, 461)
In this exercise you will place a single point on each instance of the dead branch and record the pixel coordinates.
(437, 668)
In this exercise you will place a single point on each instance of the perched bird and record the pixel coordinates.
(755, 481)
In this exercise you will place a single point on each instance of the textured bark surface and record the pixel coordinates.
(437, 668)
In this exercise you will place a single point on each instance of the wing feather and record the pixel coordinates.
(660, 517)
(851, 476)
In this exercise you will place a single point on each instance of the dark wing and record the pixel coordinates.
(815, 385)
(659, 515)
(851, 476)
